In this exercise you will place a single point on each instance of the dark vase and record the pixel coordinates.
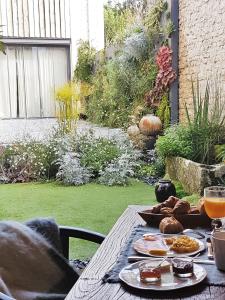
(164, 189)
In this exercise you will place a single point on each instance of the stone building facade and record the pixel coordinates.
(201, 46)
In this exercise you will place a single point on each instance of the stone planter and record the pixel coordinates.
(193, 176)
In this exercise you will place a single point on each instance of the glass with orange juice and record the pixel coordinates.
(214, 201)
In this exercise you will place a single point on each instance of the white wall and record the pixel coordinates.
(87, 23)
(75, 19)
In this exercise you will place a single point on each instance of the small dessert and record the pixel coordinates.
(182, 267)
(158, 252)
(170, 225)
(184, 244)
(166, 211)
(181, 207)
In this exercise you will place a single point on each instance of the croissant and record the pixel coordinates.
(181, 207)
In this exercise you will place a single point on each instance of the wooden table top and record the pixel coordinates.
(90, 285)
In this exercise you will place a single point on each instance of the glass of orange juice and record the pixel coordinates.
(214, 203)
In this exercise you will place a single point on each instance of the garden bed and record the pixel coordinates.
(193, 176)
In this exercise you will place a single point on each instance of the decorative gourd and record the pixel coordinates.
(150, 125)
(133, 130)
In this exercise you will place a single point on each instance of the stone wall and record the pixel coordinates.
(201, 45)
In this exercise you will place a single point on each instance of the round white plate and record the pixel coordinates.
(130, 275)
(143, 246)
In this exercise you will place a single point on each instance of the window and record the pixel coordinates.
(29, 76)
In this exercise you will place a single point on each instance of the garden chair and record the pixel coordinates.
(58, 238)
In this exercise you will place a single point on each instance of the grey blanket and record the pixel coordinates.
(31, 266)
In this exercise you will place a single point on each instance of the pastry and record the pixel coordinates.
(194, 211)
(181, 207)
(156, 208)
(171, 201)
(166, 211)
(170, 225)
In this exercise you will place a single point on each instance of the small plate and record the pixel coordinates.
(130, 275)
(143, 246)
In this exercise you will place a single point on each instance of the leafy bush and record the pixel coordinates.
(146, 170)
(71, 172)
(85, 62)
(117, 90)
(116, 22)
(119, 171)
(70, 98)
(122, 83)
(29, 160)
(97, 153)
(207, 126)
(163, 111)
(97, 158)
(177, 141)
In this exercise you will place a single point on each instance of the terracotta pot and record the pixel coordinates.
(150, 125)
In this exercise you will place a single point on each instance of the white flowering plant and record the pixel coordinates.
(27, 160)
(110, 161)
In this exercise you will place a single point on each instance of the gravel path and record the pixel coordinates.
(40, 129)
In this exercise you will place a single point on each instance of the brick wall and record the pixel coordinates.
(202, 45)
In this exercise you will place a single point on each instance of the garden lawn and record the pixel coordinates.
(91, 206)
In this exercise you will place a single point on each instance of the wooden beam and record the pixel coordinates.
(174, 89)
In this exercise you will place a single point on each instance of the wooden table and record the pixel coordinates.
(90, 286)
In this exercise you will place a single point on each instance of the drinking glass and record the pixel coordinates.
(214, 203)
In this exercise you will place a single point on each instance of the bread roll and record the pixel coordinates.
(170, 225)
(181, 207)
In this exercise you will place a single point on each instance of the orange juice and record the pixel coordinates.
(215, 207)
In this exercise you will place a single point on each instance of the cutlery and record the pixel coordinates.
(198, 233)
(195, 260)
(210, 249)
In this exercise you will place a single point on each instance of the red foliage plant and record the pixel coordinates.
(166, 75)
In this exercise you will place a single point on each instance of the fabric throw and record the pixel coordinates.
(214, 276)
(31, 265)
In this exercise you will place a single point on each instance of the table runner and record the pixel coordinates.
(214, 276)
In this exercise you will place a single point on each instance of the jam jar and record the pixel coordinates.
(164, 189)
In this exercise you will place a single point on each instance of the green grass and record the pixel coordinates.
(91, 206)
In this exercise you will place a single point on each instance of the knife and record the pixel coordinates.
(196, 260)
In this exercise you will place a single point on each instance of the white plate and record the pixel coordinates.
(143, 246)
(130, 275)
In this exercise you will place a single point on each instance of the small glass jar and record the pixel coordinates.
(149, 272)
(182, 266)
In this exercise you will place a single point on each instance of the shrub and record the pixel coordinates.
(177, 141)
(116, 22)
(70, 98)
(28, 160)
(96, 154)
(97, 157)
(85, 62)
(117, 89)
(207, 126)
(70, 170)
